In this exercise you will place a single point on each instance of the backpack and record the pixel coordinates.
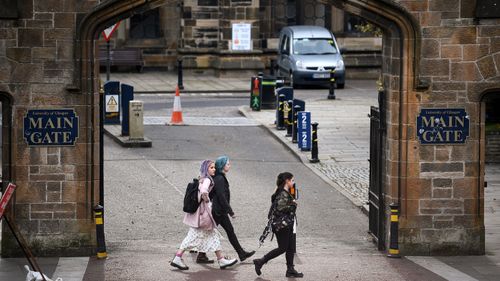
(191, 202)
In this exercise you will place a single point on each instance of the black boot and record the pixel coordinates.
(202, 258)
(291, 272)
(258, 265)
(245, 255)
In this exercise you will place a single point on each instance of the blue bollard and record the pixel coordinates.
(111, 102)
(127, 95)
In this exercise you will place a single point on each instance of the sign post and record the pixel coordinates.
(304, 130)
(112, 102)
(107, 33)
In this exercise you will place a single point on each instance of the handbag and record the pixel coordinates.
(205, 219)
(281, 221)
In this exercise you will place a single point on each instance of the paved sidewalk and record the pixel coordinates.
(343, 141)
(165, 82)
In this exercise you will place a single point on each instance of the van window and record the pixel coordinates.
(285, 45)
(314, 46)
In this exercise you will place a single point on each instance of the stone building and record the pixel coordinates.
(200, 33)
(440, 70)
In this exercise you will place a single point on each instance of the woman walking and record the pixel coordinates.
(221, 210)
(202, 235)
(284, 221)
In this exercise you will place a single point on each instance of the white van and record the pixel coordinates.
(307, 54)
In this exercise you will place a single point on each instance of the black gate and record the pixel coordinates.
(375, 194)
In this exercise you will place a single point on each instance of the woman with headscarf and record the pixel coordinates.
(221, 208)
(203, 235)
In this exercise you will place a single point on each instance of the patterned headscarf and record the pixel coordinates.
(204, 169)
(220, 163)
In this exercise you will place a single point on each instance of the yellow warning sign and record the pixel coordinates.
(112, 103)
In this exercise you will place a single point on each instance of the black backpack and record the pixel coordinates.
(191, 197)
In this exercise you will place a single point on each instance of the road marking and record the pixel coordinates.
(71, 269)
(203, 121)
(441, 268)
(163, 177)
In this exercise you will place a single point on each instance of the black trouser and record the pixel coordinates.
(286, 243)
(225, 222)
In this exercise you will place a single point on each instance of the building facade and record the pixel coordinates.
(440, 70)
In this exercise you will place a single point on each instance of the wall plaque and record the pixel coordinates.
(442, 126)
(50, 127)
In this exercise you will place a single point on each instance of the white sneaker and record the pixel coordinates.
(224, 262)
(179, 263)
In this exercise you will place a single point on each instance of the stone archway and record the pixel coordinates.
(400, 55)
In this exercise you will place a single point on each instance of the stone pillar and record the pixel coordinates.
(51, 204)
(442, 199)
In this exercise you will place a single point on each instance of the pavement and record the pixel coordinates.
(343, 150)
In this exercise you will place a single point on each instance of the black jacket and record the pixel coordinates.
(221, 196)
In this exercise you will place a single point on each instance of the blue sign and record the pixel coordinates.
(442, 126)
(50, 127)
(304, 130)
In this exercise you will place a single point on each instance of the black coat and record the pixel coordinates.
(221, 196)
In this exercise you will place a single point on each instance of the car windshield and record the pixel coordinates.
(314, 46)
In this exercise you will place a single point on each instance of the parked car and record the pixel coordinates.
(307, 54)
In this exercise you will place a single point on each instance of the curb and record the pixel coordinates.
(237, 91)
(243, 110)
(114, 134)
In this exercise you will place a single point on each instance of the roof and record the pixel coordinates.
(309, 31)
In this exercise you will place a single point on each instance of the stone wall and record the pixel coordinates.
(37, 65)
(441, 203)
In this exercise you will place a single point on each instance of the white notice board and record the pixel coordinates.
(242, 37)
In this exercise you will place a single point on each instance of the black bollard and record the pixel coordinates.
(289, 119)
(295, 125)
(272, 67)
(179, 74)
(314, 149)
(99, 227)
(331, 91)
(394, 246)
(280, 122)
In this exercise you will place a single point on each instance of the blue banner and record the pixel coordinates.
(304, 130)
(443, 126)
(50, 127)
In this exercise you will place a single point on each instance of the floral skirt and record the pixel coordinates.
(201, 240)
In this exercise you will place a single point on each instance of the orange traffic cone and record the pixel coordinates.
(177, 112)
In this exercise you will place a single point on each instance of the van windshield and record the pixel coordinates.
(314, 46)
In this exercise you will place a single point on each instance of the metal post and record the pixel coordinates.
(288, 120)
(295, 125)
(99, 227)
(280, 122)
(394, 245)
(179, 74)
(314, 149)
(331, 92)
(272, 66)
(108, 61)
(101, 145)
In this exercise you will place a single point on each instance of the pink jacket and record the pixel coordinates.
(194, 219)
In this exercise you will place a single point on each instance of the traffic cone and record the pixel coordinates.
(177, 112)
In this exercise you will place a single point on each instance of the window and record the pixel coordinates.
(145, 25)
